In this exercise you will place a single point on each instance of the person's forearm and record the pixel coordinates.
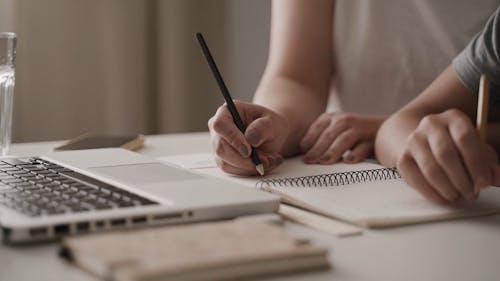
(446, 92)
(298, 103)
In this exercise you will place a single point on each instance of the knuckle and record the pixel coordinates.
(463, 121)
(218, 124)
(415, 139)
(454, 113)
(221, 109)
(429, 121)
(460, 120)
(343, 120)
(463, 136)
(321, 124)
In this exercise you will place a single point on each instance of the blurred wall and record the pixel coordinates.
(6, 19)
(248, 31)
(129, 66)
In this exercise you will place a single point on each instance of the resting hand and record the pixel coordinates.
(334, 133)
(445, 160)
(266, 131)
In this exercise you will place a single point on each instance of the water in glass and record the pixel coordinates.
(7, 82)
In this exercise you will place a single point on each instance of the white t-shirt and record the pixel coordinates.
(388, 51)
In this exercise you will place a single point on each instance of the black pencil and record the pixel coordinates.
(229, 100)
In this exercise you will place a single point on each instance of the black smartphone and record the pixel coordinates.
(90, 141)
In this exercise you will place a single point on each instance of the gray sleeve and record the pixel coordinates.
(482, 55)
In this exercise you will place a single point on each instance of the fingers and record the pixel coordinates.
(223, 150)
(222, 124)
(448, 157)
(324, 141)
(412, 175)
(230, 161)
(472, 150)
(230, 169)
(314, 131)
(341, 144)
(359, 152)
(445, 155)
(333, 134)
(430, 168)
(260, 131)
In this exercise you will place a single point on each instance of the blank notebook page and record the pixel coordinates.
(383, 203)
(373, 203)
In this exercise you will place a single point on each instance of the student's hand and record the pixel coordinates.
(266, 131)
(445, 160)
(332, 134)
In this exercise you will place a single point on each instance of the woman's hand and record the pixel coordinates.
(445, 160)
(266, 131)
(332, 134)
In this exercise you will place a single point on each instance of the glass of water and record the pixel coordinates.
(7, 82)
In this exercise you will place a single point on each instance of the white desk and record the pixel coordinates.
(456, 250)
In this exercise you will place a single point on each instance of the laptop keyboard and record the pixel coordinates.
(37, 187)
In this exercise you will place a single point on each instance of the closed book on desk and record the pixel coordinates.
(209, 251)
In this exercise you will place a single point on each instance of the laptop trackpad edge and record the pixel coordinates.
(147, 173)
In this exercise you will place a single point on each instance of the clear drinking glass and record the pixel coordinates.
(7, 82)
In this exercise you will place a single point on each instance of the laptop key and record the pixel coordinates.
(37, 187)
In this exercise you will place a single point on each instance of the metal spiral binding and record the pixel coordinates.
(334, 179)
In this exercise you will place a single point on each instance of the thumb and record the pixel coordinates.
(259, 131)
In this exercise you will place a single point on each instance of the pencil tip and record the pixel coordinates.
(260, 169)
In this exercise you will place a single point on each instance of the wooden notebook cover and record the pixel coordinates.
(195, 252)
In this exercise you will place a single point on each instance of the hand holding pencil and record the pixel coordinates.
(446, 158)
(247, 138)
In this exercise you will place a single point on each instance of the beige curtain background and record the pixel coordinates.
(129, 66)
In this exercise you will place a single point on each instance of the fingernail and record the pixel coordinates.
(309, 159)
(325, 158)
(254, 137)
(243, 150)
(349, 158)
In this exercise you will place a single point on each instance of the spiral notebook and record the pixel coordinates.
(366, 194)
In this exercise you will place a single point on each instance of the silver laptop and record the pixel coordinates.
(44, 198)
